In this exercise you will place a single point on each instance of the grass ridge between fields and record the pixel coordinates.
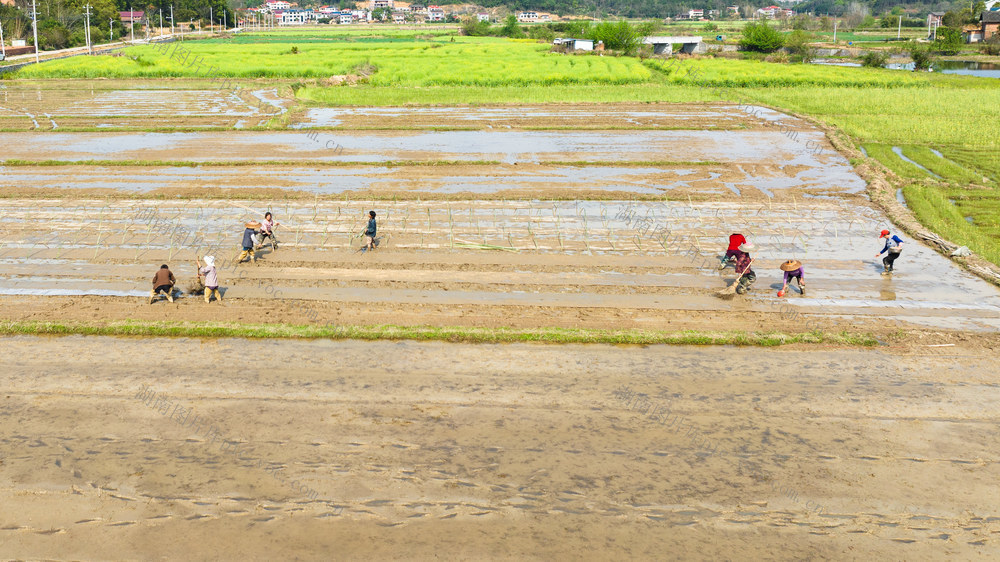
(432, 333)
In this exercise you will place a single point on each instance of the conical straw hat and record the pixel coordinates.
(791, 265)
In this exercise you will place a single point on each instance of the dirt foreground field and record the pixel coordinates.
(401, 450)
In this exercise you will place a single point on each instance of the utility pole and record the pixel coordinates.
(131, 28)
(171, 20)
(3, 49)
(835, 32)
(225, 21)
(161, 22)
(34, 27)
(211, 21)
(90, 48)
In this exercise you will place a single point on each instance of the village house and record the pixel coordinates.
(934, 19)
(291, 17)
(398, 17)
(381, 4)
(989, 24)
(435, 13)
(527, 17)
(696, 14)
(570, 44)
(278, 5)
(346, 18)
(775, 12)
(972, 33)
(482, 16)
(132, 17)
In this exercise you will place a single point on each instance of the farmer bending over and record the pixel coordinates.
(163, 282)
(893, 246)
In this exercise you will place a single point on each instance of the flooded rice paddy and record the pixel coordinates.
(489, 221)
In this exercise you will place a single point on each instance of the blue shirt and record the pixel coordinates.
(248, 238)
(894, 242)
(370, 231)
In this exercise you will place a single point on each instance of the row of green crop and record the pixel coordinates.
(759, 74)
(407, 63)
(938, 212)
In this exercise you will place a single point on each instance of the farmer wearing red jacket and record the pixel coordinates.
(735, 240)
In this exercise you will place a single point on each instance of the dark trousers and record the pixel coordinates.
(165, 289)
(889, 258)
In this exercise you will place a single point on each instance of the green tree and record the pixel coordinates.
(874, 59)
(798, 43)
(948, 41)
(510, 28)
(619, 36)
(761, 38)
(474, 28)
(921, 58)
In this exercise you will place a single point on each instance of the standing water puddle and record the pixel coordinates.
(899, 152)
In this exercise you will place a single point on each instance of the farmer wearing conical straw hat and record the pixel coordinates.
(793, 270)
(743, 261)
(248, 241)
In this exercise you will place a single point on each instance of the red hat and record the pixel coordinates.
(884, 234)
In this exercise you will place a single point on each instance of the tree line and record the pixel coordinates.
(61, 23)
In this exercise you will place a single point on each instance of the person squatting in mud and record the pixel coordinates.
(163, 282)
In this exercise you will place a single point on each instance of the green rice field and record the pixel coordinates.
(391, 60)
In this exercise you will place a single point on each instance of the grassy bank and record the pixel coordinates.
(428, 333)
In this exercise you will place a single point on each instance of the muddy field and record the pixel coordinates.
(144, 104)
(401, 450)
(557, 264)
